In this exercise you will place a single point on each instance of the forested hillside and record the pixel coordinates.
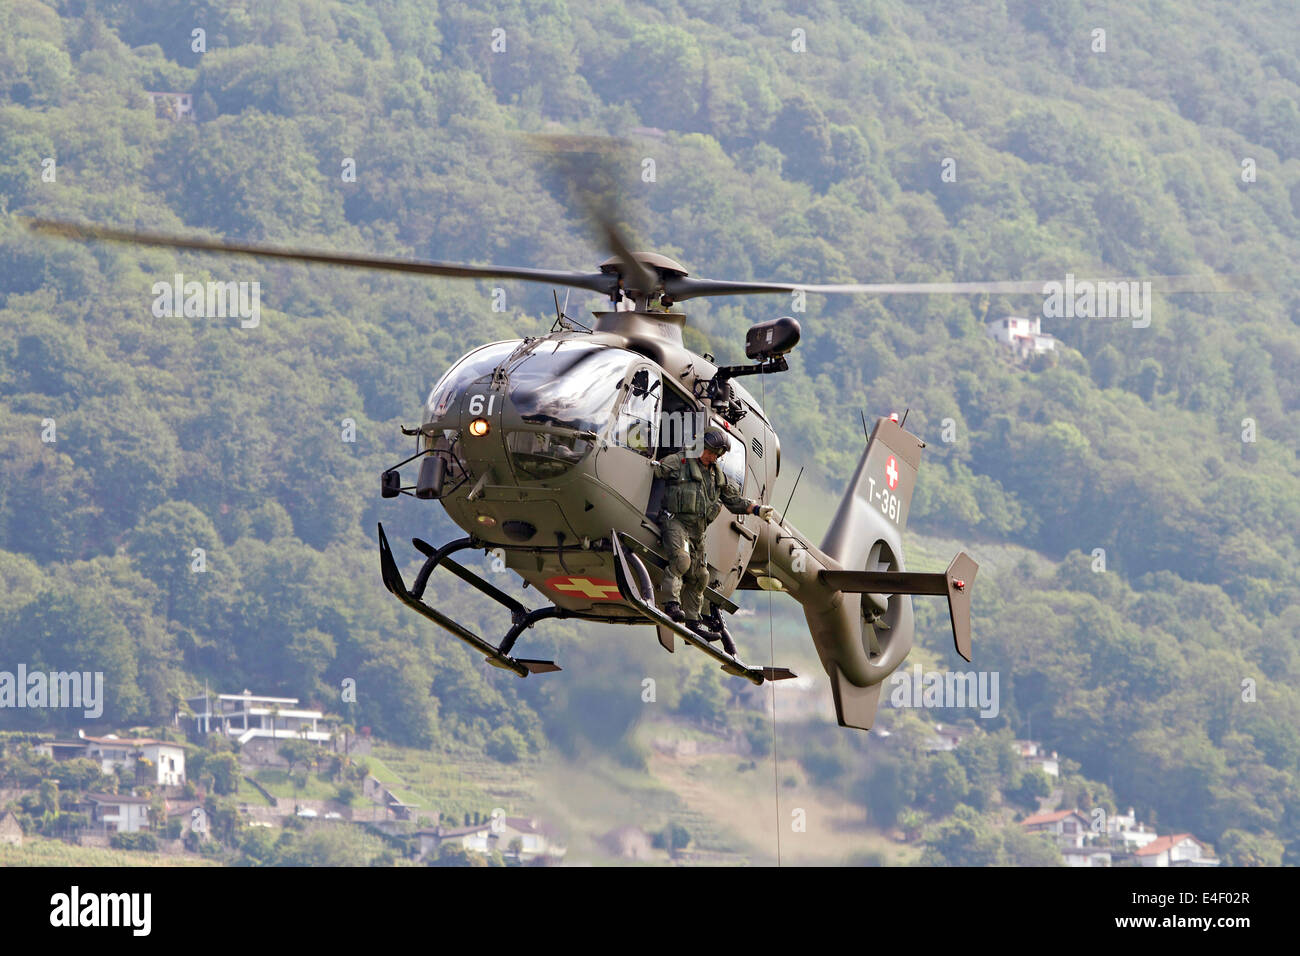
(797, 144)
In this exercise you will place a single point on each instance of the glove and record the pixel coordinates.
(764, 511)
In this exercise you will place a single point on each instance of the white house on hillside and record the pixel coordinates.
(1025, 336)
(116, 812)
(1124, 828)
(166, 758)
(533, 838)
(946, 737)
(1180, 849)
(246, 716)
(1033, 755)
(1069, 827)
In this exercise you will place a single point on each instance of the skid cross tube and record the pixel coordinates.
(527, 620)
(392, 578)
(439, 556)
(432, 559)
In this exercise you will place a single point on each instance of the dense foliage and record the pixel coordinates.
(1172, 676)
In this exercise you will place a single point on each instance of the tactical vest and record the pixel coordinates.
(693, 492)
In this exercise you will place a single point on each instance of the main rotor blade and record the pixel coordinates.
(590, 166)
(603, 283)
(686, 287)
(635, 275)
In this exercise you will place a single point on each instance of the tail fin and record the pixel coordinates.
(862, 638)
(855, 592)
(876, 503)
(871, 632)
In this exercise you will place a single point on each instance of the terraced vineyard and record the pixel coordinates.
(38, 851)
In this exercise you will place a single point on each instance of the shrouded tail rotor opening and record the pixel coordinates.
(881, 613)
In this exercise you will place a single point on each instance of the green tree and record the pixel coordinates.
(297, 752)
(945, 784)
(963, 840)
(506, 745)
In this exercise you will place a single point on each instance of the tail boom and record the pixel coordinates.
(855, 593)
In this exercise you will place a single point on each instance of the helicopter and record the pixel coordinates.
(542, 450)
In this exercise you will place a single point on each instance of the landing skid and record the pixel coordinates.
(522, 617)
(624, 576)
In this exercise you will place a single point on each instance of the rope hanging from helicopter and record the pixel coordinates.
(771, 656)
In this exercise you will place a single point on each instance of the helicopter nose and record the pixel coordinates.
(481, 413)
(481, 430)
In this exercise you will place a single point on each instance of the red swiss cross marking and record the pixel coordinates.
(594, 588)
(891, 472)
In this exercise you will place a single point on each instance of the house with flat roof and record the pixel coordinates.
(1123, 828)
(172, 106)
(248, 716)
(1033, 755)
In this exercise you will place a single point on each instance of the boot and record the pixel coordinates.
(718, 630)
(702, 630)
(674, 611)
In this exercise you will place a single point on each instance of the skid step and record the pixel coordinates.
(666, 626)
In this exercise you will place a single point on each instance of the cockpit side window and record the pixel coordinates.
(733, 463)
(638, 418)
(681, 424)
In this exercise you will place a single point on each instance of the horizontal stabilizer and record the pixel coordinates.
(887, 582)
(955, 584)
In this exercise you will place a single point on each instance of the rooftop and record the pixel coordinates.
(1052, 817)
(1161, 844)
(116, 798)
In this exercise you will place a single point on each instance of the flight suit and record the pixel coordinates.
(693, 496)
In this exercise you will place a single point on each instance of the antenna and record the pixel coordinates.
(863, 416)
(792, 491)
(904, 421)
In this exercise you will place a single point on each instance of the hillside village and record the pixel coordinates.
(285, 766)
(240, 763)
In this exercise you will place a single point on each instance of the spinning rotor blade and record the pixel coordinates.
(604, 283)
(631, 273)
(686, 287)
(589, 166)
(635, 275)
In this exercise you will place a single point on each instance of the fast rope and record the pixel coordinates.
(771, 642)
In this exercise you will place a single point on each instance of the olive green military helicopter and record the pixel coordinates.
(542, 450)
